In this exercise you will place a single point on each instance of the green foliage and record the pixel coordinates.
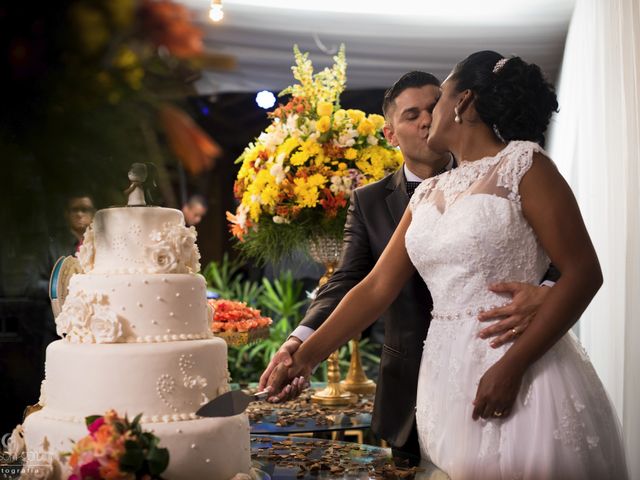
(272, 242)
(285, 301)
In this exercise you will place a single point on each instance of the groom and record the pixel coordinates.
(374, 212)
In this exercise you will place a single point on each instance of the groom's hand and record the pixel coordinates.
(283, 355)
(517, 315)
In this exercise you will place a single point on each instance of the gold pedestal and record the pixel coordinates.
(357, 381)
(326, 250)
(333, 394)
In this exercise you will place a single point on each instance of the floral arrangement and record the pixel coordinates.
(117, 449)
(296, 178)
(233, 316)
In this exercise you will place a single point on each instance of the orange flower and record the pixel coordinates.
(195, 149)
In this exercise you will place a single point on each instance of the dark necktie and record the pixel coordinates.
(411, 187)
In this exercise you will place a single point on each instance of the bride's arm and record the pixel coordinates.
(357, 310)
(551, 209)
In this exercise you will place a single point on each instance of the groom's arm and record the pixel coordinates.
(355, 263)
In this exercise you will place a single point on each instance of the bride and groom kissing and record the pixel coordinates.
(479, 373)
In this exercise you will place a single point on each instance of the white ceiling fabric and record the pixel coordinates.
(380, 47)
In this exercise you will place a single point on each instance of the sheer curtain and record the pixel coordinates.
(595, 141)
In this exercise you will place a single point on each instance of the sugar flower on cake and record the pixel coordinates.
(105, 325)
(296, 178)
(117, 449)
(87, 251)
(16, 445)
(75, 314)
(87, 318)
(173, 249)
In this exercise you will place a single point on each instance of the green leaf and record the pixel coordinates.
(133, 457)
(91, 418)
(158, 459)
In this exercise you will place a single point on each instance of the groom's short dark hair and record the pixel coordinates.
(415, 79)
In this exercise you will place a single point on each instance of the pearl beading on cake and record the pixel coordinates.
(177, 417)
(173, 337)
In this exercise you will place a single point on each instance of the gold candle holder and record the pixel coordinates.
(334, 394)
(326, 250)
(357, 381)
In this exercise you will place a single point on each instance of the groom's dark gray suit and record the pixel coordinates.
(374, 212)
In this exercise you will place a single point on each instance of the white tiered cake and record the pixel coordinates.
(137, 339)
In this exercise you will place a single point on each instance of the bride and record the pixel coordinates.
(534, 408)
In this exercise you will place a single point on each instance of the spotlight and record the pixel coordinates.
(265, 99)
(215, 10)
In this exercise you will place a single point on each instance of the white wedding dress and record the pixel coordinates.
(467, 232)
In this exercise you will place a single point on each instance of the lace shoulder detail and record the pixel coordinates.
(422, 191)
(515, 164)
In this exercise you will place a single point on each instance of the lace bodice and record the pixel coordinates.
(468, 231)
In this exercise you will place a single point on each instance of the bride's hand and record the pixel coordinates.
(497, 391)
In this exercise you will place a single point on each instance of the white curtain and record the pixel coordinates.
(595, 141)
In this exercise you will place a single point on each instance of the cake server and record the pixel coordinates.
(231, 403)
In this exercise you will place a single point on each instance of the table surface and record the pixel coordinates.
(303, 416)
(284, 458)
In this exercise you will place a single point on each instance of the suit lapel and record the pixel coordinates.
(398, 199)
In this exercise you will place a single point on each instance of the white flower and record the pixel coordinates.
(161, 258)
(292, 124)
(15, 445)
(279, 219)
(277, 171)
(372, 140)
(346, 139)
(76, 312)
(87, 252)
(105, 325)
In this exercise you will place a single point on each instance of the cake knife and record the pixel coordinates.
(231, 403)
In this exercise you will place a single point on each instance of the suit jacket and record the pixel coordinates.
(374, 212)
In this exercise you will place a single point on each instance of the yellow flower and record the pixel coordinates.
(342, 166)
(377, 120)
(339, 116)
(289, 145)
(125, 58)
(356, 116)
(324, 124)
(299, 158)
(324, 108)
(366, 127)
(350, 154)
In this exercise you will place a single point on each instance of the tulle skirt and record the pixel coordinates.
(562, 426)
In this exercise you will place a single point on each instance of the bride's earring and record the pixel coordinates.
(457, 119)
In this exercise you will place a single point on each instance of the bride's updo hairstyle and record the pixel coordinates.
(511, 96)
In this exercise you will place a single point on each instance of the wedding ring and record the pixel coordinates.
(497, 414)
(514, 331)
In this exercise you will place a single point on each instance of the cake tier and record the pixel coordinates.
(207, 448)
(164, 381)
(139, 240)
(135, 308)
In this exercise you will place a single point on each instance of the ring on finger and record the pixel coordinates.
(497, 413)
(514, 331)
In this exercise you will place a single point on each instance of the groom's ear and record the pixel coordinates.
(465, 100)
(389, 134)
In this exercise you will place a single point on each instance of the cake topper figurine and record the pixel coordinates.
(135, 192)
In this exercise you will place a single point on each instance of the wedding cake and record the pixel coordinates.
(137, 339)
